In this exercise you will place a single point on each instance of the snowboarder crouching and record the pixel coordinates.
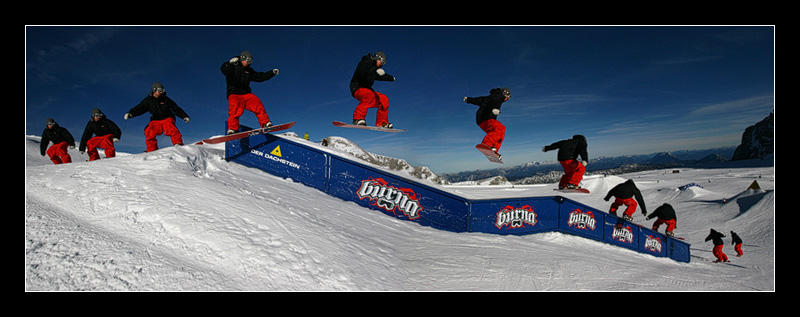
(61, 139)
(105, 133)
(716, 238)
(368, 70)
(624, 195)
(486, 116)
(238, 75)
(162, 120)
(568, 151)
(666, 215)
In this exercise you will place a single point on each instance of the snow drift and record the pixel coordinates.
(182, 218)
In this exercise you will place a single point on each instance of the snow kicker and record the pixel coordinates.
(408, 199)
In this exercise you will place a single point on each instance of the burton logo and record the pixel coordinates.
(515, 217)
(623, 234)
(583, 220)
(390, 198)
(653, 244)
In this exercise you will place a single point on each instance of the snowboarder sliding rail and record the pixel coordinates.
(61, 139)
(238, 75)
(666, 215)
(162, 120)
(486, 118)
(568, 152)
(624, 194)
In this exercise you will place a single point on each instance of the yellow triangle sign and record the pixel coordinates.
(276, 151)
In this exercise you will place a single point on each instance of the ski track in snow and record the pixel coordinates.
(182, 218)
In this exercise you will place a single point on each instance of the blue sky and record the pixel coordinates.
(629, 90)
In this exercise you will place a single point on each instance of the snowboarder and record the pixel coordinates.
(568, 151)
(486, 116)
(716, 238)
(162, 120)
(368, 70)
(624, 194)
(666, 215)
(238, 75)
(61, 139)
(105, 133)
(737, 243)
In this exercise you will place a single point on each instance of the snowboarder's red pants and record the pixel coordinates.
(371, 99)
(104, 142)
(573, 173)
(629, 202)
(58, 153)
(738, 249)
(495, 133)
(237, 104)
(719, 254)
(158, 127)
(670, 224)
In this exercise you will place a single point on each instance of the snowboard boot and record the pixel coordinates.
(266, 126)
(230, 131)
(499, 157)
(571, 186)
(387, 125)
(359, 122)
(628, 218)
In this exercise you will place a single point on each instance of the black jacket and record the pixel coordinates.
(55, 134)
(627, 190)
(735, 238)
(663, 212)
(486, 104)
(716, 237)
(160, 108)
(366, 74)
(238, 77)
(570, 149)
(99, 128)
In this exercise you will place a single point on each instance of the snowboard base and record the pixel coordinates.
(366, 127)
(244, 134)
(576, 190)
(490, 155)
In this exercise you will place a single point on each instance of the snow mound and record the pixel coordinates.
(601, 184)
(182, 218)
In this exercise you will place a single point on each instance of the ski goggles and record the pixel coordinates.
(161, 90)
(248, 59)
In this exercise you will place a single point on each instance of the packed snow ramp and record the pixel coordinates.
(408, 199)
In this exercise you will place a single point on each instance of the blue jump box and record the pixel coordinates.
(407, 199)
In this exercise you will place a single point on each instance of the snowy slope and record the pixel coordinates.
(182, 218)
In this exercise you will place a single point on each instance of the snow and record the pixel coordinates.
(183, 219)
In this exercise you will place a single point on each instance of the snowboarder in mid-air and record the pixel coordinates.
(666, 215)
(716, 238)
(568, 151)
(238, 75)
(100, 132)
(486, 117)
(162, 120)
(624, 194)
(61, 139)
(368, 70)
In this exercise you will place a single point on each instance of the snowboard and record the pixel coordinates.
(576, 190)
(487, 151)
(244, 134)
(366, 127)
